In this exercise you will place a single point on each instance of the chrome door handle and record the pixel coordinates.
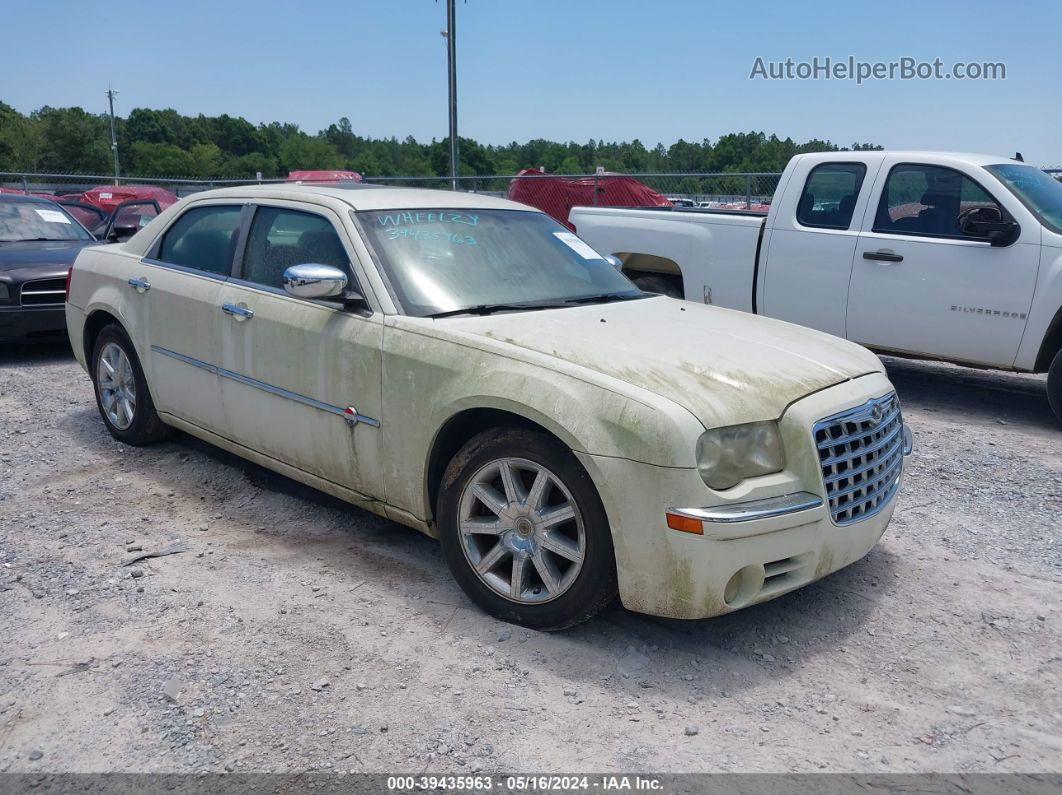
(141, 285)
(239, 312)
(883, 256)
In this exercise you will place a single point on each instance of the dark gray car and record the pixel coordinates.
(39, 241)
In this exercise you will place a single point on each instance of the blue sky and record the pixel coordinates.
(573, 70)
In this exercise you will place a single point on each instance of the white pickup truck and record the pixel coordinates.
(929, 254)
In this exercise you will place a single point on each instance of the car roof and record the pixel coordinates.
(360, 196)
(972, 158)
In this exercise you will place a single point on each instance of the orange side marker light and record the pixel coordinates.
(685, 524)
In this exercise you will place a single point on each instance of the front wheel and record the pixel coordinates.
(1054, 385)
(524, 531)
(121, 390)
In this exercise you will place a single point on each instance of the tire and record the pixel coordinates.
(123, 399)
(1054, 385)
(554, 590)
(660, 285)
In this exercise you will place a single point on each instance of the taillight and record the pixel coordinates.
(69, 273)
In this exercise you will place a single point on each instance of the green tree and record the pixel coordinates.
(162, 160)
(206, 160)
(303, 152)
(73, 140)
(20, 141)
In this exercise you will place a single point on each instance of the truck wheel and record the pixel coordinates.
(660, 285)
(121, 390)
(1054, 385)
(524, 532)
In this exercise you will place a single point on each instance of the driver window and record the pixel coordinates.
(280, 238)
(929, 200)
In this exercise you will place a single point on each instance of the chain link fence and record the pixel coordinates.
(725, 190)
(729, 190)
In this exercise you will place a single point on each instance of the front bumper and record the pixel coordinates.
(23, 323)
(763, 538)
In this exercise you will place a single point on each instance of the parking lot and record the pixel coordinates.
(288, 631)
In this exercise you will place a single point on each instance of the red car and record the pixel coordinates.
(324, 176)
(108, 197)
(557, 195)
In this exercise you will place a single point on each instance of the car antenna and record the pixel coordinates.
(1018, 157)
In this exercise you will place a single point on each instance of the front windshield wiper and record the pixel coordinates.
(604, 298)
(490, 309)
(31, 239)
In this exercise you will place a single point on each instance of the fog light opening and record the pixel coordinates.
(743, 585)
(733, 585)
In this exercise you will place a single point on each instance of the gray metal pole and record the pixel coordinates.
(114, 139)
(451, 56)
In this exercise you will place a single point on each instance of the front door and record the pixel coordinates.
(921, 286)
(179, 285)
(301, 379)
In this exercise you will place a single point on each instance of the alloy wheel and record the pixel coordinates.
(117, 386)
(521, 530)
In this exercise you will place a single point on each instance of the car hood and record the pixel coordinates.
(725, 367)
(40, 252)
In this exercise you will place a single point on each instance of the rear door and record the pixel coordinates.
(179, 287)
(302, 378)
(807, 258)
(921, 286)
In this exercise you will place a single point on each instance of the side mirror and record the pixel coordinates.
(120, 234)
(986, 223)
(615, 262)
(314, 281)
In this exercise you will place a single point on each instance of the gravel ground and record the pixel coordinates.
(297, 633)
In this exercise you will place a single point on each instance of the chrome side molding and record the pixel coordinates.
(345, 413)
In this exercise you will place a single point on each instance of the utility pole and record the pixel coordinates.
(111, 94)
(451, 58)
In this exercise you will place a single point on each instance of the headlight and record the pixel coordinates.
(726, 456)
(4, 294)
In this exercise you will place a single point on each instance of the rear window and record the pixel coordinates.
(829, 196)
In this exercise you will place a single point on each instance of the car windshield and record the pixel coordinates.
(21, 221)
(1039, 192)
(445, 260)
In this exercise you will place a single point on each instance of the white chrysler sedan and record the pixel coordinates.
(466, 366)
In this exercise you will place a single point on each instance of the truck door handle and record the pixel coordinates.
(141, 285)
(883, 256)
(238, 312)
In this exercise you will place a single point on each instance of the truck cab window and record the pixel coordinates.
(928, 200)
(829, 196)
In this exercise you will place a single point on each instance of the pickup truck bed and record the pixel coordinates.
(725, 242)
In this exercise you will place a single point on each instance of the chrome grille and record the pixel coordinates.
(43, 292)
(861, 454)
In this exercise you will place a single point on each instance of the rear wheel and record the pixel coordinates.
(1054, 385)
(660, 285)
(524, 531)
(121, 390)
